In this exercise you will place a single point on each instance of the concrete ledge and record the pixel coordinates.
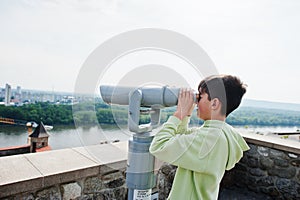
(29, 172)
(272, 142)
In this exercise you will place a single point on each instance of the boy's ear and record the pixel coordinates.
(215, 103)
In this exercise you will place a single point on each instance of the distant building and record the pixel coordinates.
(39, 139)
(37, 142)
(7, 95)
(19, 96)
(19, 91)
(2, 93)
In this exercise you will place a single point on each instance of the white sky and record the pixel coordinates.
(43, 44)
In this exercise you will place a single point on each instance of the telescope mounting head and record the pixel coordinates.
(134, 113)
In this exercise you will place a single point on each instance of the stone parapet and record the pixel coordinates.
(79, 173)
(271, 167)
(267, 170)
(91, 172)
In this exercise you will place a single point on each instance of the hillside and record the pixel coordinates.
(270, 105)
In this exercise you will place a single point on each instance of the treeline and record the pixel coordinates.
(48, 113)
(89, 113)
(264, 117)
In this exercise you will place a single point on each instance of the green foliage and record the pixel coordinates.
(89, 113)
(264, 117)
(48, 113)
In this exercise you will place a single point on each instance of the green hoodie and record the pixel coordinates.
(202, 155)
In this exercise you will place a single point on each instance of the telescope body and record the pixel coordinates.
(151, 97)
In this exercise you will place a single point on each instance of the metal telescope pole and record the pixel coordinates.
(140, 178)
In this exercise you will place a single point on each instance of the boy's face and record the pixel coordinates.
(204, 108)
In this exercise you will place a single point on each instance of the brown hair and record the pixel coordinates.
(228, 89)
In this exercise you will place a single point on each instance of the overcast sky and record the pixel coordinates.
(43, 44)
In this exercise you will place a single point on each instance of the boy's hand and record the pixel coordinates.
(185, 104)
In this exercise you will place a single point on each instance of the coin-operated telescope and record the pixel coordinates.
(140, 177)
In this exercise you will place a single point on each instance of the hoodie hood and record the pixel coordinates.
(235, 142)
(236, 146)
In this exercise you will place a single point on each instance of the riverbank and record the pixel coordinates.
(69, 136)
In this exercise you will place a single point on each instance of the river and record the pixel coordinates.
(68, 136)
(65, 136)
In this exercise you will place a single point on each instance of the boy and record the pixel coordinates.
(202, 154)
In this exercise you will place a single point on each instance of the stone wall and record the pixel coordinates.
(271, 167)
(269, 170)
(93, 172)
(14, 150)
(109, 185)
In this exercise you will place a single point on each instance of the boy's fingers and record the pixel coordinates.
(186, 92)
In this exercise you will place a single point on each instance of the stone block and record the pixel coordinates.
(295, 162)
(281, 162)
(86, 197)
(240, 167)
(245, 158)
(104, 154)
(120, 193)
(71, 191)
(277, 154)
(271, 191)
(112, 175)
(288, 188)
(48, 193)
(120, 166)
(257, 172)
(283, 172)
(242, 182)
(14, 173)
(24, 196)
(263, 151)
(266, 181)
(249, 180)
(111, 194)
(171, 175)
(113, 179)
(266, 163)
(70, 176)
(92, 185)
(252, 162)
(166, 169)
(252, 150)
(114, 183)
(59, 161)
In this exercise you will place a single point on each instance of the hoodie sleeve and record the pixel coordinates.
(183, 126)
(182, 149)
(166, 140)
